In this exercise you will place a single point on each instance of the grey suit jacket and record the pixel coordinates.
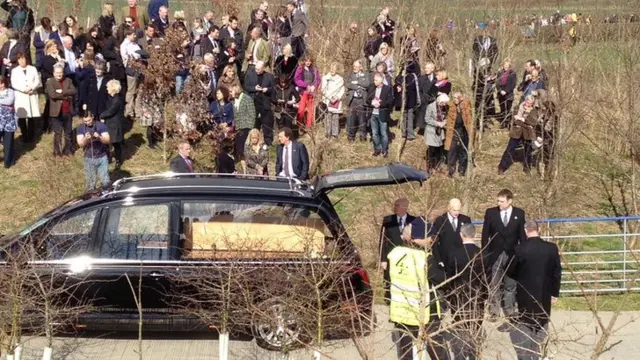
(299, 23)
(357, 83)
(430, 119)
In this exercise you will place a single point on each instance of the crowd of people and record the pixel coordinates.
(515, 276)
(264, 78)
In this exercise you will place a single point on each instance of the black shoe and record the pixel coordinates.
(376, 153)
(153, 146)
(118, 164)
(385, 154)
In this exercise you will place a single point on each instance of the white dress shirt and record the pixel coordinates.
(129, 49)
(70, 58)
(287, 150)
(12, 44)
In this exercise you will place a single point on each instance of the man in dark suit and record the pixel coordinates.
(502, 231)
(428, 92)
(182, 164)
(162, 21)
(391, 235)
(484, 46)
(537, 270)
(292, 158)
(211, 43)
(380, 99)
(9, 52)
(468, 293)
(445, 232)
(260, 86)
(232, 32)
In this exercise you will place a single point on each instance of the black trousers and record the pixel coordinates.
(435, 156)
(265, 122)
(117, 151)
(62, 127)
(152, 137)
(457, 154)
(285, 120)
(27, 128)
(357, 120)
(404, 337)
(9, 147)
(298, 46)
(507, 156)
(506, 105)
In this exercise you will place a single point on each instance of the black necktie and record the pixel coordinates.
(286, 162)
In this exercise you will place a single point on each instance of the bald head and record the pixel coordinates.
(455, 205)
(400, 206)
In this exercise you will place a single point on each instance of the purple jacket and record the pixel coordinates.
(298, 78)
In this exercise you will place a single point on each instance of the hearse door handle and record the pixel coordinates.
(156, 275)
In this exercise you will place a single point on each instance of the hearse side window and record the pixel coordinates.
(139, 232)
(67, 238)
(228, 229)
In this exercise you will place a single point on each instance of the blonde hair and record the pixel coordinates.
(287, 46)
(50, 44)
(251, 133)
(107, 9)
(442, 74)
(113, 87)
(178, 15)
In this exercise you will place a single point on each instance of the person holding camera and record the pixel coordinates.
(94, 138)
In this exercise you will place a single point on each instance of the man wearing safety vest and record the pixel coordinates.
(415, 308)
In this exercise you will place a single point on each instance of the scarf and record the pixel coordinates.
(504, 76)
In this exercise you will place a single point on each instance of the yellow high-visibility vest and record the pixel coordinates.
(411, 293)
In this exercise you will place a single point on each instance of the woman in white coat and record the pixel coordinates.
(25, 81)
(332, 89)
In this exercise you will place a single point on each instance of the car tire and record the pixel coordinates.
(276, 327)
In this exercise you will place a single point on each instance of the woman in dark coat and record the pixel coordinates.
(107, 21)
(506, 84)
(286, 63)
(371, 45)
(92, 98)
(40, 38)
(113, 117)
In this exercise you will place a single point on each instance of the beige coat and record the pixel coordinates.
(27, 106)
(332, 86)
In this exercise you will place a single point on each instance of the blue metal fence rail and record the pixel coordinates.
(596, 260)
